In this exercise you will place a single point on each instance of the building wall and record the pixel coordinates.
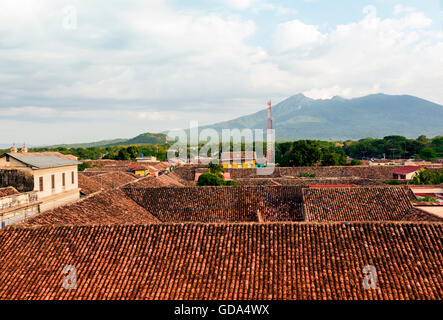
(50, 197)
(17, 207)
(21, 179)
(12, 163)
(59, 199)
(60, 195)
(239, 164)
(411, 175)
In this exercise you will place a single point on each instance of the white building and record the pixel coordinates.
(55, 175)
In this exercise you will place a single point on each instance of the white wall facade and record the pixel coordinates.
(60, 194)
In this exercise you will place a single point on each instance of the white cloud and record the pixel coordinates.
(239, 4)
(395, 55)
(278, 9)
(295, 35)
(145, 66)
(402, 9)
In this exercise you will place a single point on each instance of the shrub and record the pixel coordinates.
(393, 182)
(82, 166)
(210, 179)
(426, 199)
(307, 175)
(425, 176)
(213, 179)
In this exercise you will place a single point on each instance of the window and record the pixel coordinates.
(7, 158)
(63, 179)
(53, 181)
(40, 181)
(72, 177)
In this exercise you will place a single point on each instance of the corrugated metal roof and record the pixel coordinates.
(43, 161)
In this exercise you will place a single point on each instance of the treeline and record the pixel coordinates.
(295, 153)
(313, 152)
(395, 147)
(303, 153)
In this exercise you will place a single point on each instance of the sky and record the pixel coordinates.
(81, 71)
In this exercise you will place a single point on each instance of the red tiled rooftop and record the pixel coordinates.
(229, 261)
(220, 204)
(406, 169)
(108, 207)
(360, 204)
(333, 186)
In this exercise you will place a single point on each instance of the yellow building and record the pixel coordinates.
(238, 159)
(140, 170)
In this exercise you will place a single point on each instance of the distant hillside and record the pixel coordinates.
(377, 115)
(144, 138)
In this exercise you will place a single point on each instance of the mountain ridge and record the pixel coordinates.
(143, 138)
(376, 115)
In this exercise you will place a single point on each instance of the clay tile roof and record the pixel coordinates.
(88, 185)
(333, 186)
(108, 207)
(224, 261)
(369, 172)
(111, 180)
(161, 181)
(358, 204)
(220, 204)
(406, 169)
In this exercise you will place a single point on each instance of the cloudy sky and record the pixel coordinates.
(77, 71)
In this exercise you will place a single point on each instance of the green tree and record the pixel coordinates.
(428, 154)
(210, 179)
(215, 169)
(133, 152)
(123, 155)
(333, 159)
(355, 162)
(302, 153)
(425, 176)
(82, 166)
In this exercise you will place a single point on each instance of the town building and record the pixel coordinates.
(147, 159)
(54, 175)
(238, 159)
(405, 173)
(139, 170)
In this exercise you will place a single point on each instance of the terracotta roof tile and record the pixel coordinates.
(220, 204)
(108, 207)
(406, 169)
(224, 261)
(160, 181)
(88, 185)
(359, 204)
